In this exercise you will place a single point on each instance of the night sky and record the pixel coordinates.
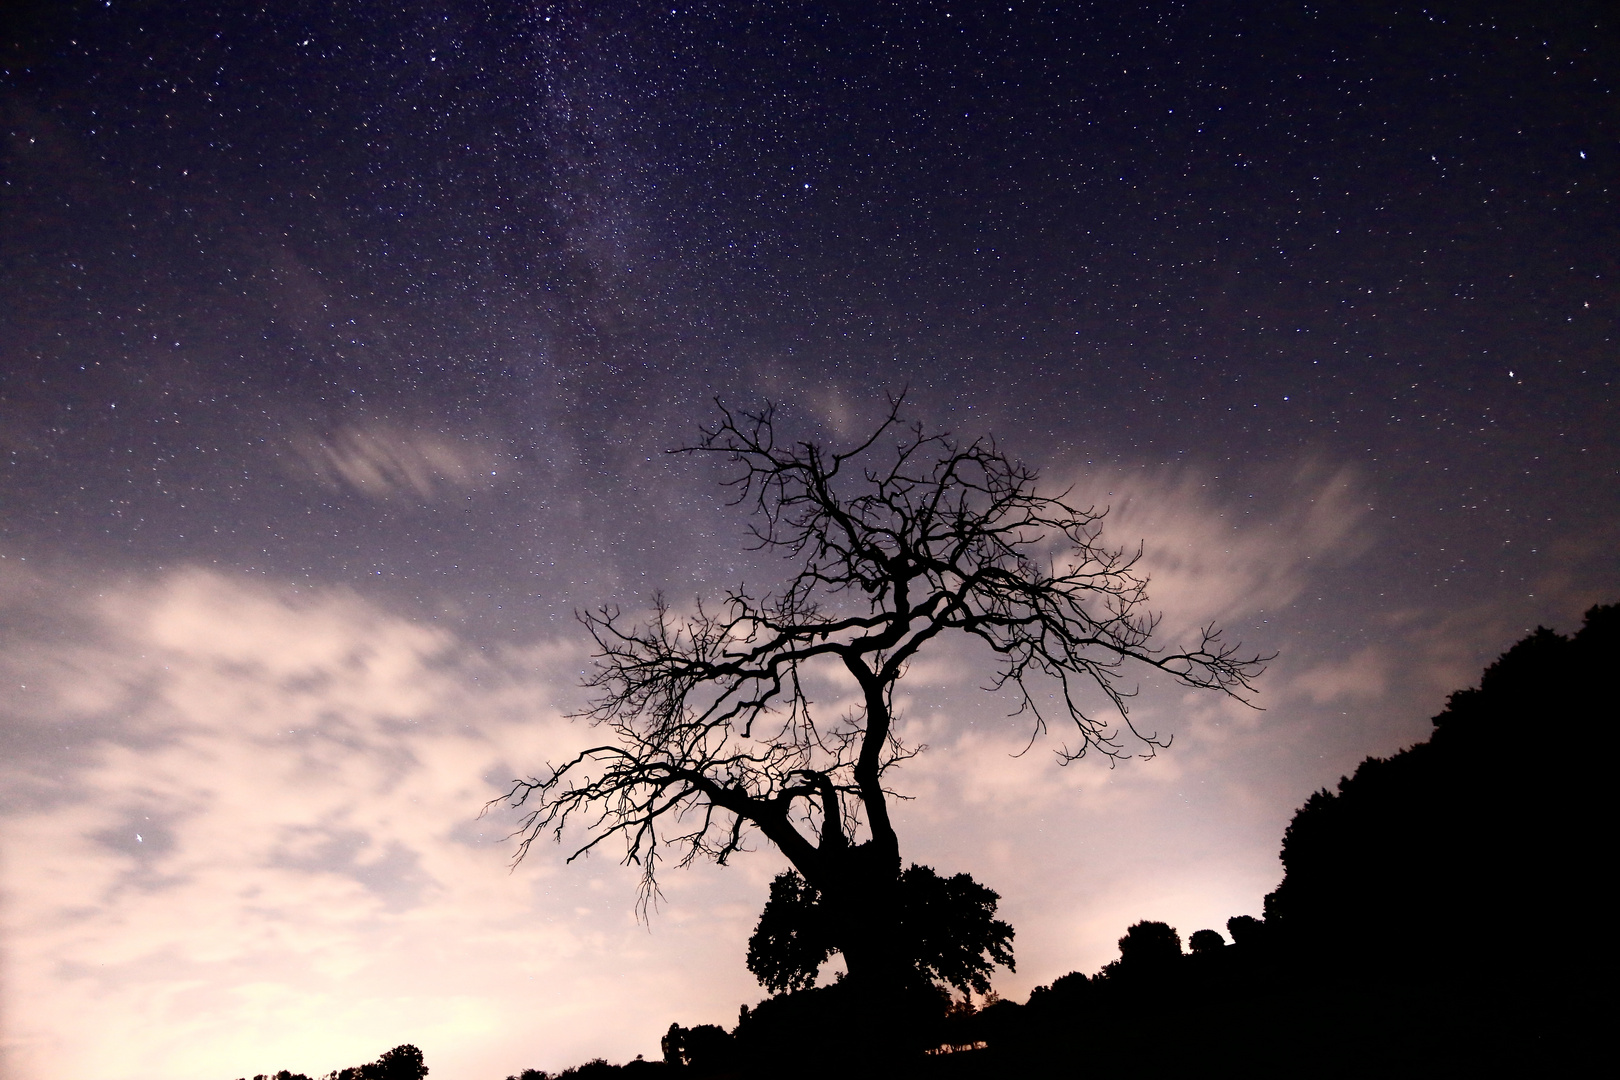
(340, 346)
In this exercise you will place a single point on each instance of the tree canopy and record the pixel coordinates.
(948, 927)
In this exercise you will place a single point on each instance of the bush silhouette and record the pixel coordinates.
(947, 932)
(401, 1063)
(1149, 950)
(1245, 930)
(704, 1047)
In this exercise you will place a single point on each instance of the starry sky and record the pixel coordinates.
(341, 346)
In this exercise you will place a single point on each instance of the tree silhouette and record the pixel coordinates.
(703, 1047)
(1245, 930)
(948, 930)
(898, 541)
(792, 939)
(403, 1062)
(1148, 950)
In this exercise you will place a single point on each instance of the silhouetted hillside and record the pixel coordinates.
(1437, 916)
(1423, 924)
(1456, 853)
(1437, 913)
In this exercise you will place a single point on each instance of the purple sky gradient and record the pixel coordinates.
(338, 356)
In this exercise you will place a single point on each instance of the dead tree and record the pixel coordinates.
(904, 538)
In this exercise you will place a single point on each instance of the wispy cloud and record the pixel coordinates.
(1215, 551)
(1361, 676)
(383, 461)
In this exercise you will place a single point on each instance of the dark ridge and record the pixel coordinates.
(1437, 916)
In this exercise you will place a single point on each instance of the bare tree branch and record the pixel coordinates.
(904, 538)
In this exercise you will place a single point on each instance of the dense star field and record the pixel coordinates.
(341, 346)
